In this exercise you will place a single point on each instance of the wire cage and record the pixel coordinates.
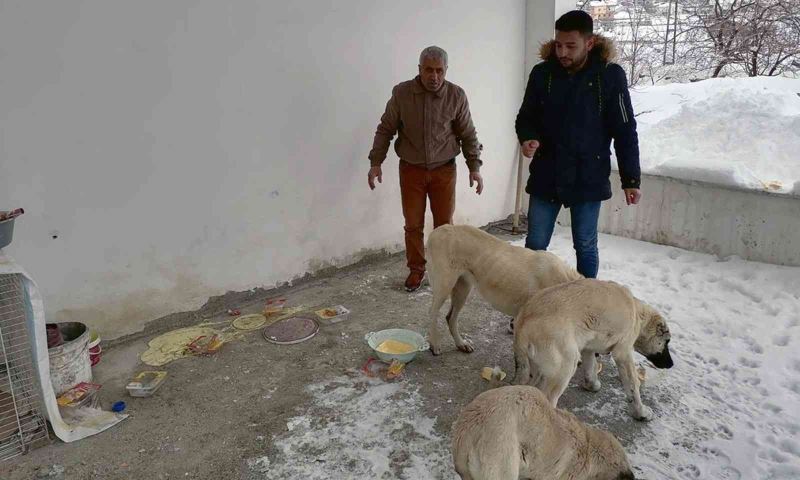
(22, 424)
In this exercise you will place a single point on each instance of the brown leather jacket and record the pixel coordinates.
(432, 127)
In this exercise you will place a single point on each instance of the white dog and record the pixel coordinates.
(460, 256)
(565, 324)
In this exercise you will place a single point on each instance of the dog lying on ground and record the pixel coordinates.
(512, 432)
(460, 256)
(565, 324)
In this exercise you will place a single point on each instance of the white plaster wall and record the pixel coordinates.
(542, 16)
(540, 28)
(708, 218)
(182, 149)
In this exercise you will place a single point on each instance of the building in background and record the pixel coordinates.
(602, 9)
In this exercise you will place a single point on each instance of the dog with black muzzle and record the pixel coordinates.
(566, 324)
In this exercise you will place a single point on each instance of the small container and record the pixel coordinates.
(94, 340)
(94, 348)
(94, 358)
(6, 232)
(146, 383)
(333, 315)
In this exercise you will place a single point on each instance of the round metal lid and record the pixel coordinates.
(291, 330)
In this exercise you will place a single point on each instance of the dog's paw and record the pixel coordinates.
(466, 347)
(591, 386)
(643, 414)
(436, 349)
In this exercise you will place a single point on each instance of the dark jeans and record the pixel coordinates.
(542, 220)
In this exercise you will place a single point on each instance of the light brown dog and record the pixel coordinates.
(460, 256)
(512, 432)
(565, 324)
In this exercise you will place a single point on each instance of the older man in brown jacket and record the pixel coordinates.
(432, 119)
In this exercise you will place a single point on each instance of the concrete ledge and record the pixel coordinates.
(704, 217)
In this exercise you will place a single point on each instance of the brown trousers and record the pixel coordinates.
(417, 184)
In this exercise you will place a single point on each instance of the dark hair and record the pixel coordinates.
(575, 20)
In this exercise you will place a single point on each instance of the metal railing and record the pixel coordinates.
(22, 424)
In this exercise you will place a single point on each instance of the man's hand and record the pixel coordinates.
(475, 177)
(374, 172)
(529, 148)
(632, 196)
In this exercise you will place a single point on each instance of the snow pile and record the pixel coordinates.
(738, 132)
(358, 427)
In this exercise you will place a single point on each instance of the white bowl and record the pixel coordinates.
(410, 337)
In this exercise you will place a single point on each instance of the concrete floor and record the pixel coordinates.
(214, 413)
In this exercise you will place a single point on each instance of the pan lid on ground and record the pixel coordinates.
(291, 330)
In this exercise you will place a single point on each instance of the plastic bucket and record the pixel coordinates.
(54, 338)
(69, 362)
(6, 232)
(94, 353)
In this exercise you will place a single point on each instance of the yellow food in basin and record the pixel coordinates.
(394, 347)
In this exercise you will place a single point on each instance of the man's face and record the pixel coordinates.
(572, 48)
(432, 73)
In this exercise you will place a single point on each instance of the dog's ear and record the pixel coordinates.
(645, 313)
(658, 325)
(652, 321)
(652, 327)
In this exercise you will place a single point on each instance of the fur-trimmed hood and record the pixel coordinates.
(603, 47)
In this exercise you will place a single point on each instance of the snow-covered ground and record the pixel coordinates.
(357, 427)
(740, 132)
(729, 409)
